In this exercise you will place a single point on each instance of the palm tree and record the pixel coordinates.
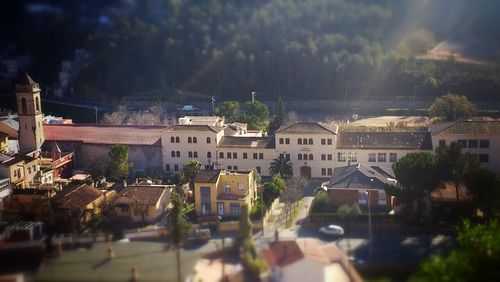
(281, 166)
(189, 172)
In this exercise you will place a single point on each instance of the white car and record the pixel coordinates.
(332, 230)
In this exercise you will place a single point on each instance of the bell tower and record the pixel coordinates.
(29, 109)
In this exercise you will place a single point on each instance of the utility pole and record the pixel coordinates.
(213, 104)
(253, 96)
(96, 120)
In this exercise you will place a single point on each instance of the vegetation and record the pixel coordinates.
(118, 164)
(476, 258)
(189, 172)
(321, 202)
(281, 166)
(273, 189)
(485, 188)
(451, 107)
(230, 110)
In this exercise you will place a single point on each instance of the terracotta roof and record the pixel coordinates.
(360, 176)
(196, 128)
(309, 127)
(283, 253)
(207, 176)
(3, 135)
(469, 127)
(105, 134)
(447, 193)
(248, 142)
(384, 140)
(149, 194)
(77, 197)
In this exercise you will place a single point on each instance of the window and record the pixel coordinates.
(173, 154)
(190, 140)
(393, 157)
(330, 171)
(176, 167)
(311, 157)
(381, 157)
(255, 156)
(329, 141)
(304, 157)
(230, 167)
(177, 140)
(371, 157)
(228, 154)
(299, 141)
(323, 156)
(209, 155)
(323, 171)
(341, 157)
(282, 155)
(167, 167)
(23, 105)
(311, 141)
(172, 139)
(299, 157)
(209, 140)
(190, 154)
(234, 208)
(195, 154)
(287, 156)
(227, 187)
(484, 158)
(205, 200)
(245, 155)
(235, 155)
(241, 186)
(235, 167)
(462, 143)
(261, 156)
(258, 169)
(195, 140)
(221, 155)
(287, 141)
(353, 157)
(484, 143)
(323, 141)
(37, 104)
(442, 143)
(304, 141)
(178, 154)
(282, 141)
(15, 173)
(329, 157)
(473, 144)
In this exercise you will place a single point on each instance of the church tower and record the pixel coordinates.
(29, 109)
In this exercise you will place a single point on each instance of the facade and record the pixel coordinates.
(142, 203)
(222, 192)
(13, 168)
(84, 199)
(480, 138)
(31, 135)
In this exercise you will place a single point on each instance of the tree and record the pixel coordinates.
(281, 166)
(229, 109)
(484, 185)
(116, 117)
(273, 189)
(279, 118)
(256, 115)
(476, 257)
(118, 165)
(293, 192)
(451, 107)
(321, 202)
(189, 172)
(177, 228)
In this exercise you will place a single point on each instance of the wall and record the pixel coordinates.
(250, 163)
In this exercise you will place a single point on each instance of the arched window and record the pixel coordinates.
(195, 154)
(304, 141)
(172, 139)
(209, 155)
(178, 154)
(190, 154)
(177, 140)
(299, 141)
(310, 141)
(299, 156)
(209, 140)
(173, 154)
(305, 157)
(37, 104)
(311, 157)
(195, 140)
(23, 105)
(190, 140)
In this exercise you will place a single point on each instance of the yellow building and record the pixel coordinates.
(221, 192)
(4, 143)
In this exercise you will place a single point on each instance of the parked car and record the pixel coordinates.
(200, 235)
(332, 230)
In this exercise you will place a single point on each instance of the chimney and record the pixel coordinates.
(276, 235)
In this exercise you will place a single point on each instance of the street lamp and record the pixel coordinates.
(369, 223)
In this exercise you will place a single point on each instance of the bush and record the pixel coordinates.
(321, 202)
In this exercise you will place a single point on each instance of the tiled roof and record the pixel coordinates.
(77, 197)
(207, 176)
(468, 127)
(309, 127)
(384, 140)
(195, 128)
(360, 176)
(105, 134)
(248, 142)
(448, 193)
(149, 194)
(283, 253)
(14, 160)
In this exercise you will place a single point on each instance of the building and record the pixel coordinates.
(5, 192)
(245, 153)
(84, 200)
(142, 203)
(29, 109)
(305, 260)
(4, 143)
(222, 192)
(350, 185)
(480, 138)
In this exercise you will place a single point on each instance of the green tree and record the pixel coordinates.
(229, 109)
(189, 172)
(256, 115)
(321, 202)
(118, 165)
(451, 107)
(485, 188)
(279, 118)
(273, 189)
(177, 228)
(476, 257)
(281, 166)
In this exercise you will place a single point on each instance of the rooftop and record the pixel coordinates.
(207, 176)
(195, 128)
(385, 140)
(360, 176)
(309, 127)
(469, 127)
(105, 134)
(247, 142)
(76, 197)
(149, 194)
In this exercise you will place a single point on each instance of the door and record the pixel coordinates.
(305, 171)
(220, 209)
